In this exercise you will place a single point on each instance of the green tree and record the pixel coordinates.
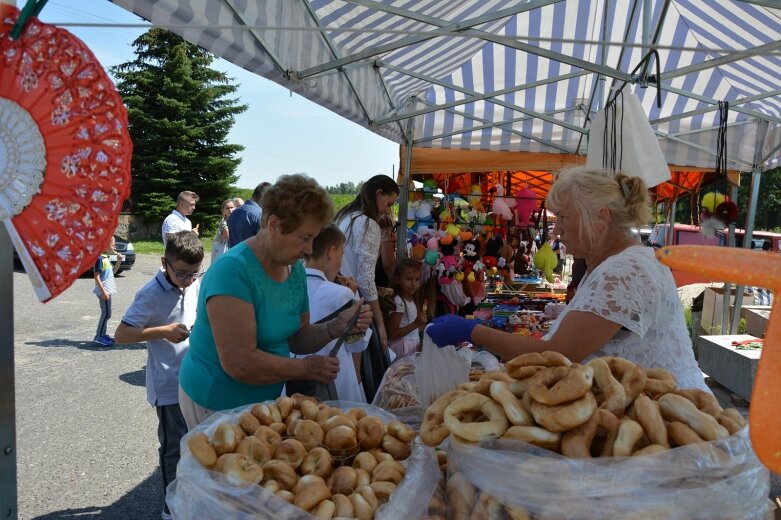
(180, 112)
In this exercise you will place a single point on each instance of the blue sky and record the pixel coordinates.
(281, 133)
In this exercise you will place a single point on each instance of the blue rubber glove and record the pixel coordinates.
(450, 329)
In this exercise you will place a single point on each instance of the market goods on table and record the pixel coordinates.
(606, 439)
(297, 458)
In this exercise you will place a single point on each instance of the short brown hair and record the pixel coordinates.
(187, 195)
(329, 236)
(184, 246)
(295, 198)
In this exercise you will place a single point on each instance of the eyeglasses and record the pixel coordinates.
(183, 275)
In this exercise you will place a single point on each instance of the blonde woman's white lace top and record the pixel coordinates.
(361, 251)
(636, 291)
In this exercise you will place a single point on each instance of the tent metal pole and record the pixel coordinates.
(401, 237)
(752, 213)
(725, 297)
(8, 504)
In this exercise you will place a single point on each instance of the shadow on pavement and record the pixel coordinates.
(136, 378)
(84, 345)
(144, 502)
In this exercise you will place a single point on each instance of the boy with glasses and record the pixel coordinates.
(162, 314)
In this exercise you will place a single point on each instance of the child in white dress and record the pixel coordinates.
(405, 322)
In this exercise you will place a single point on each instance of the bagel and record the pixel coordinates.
(279, 427)
(318, 462)
(487, 507)
(680, 434)
(364, 478)
(460, 496)
(519, 386)
(341, 441)
(650, 418)
(526, 365)
(561, 384)
(731, 419)
(704, 401)
(343, 480)
(282, 472)
(238, 469)
(650, 450)
(267, 435)
(401, 431)
(356, 414)
(383, 490)
(309, 410)
(658, 382)
(273, 486)
(291, 419)
(564, 416)
(513, 409)
(368, 494)
(255, 449)
(496, 425)
(224, 439)
(285, 495)
(630, 433)
(325, 413)
(337, 420)
(388, 471)
(576, 443)
(310, 490)
(300, 398)
(607, 429)
(291, 451)
(612, 392)
(677, 408)
(534, 435)
(365, 460)
(398, 449)
(309, 433)
(381, 455)
(285, 406)
(202, 449)
(432, 429)
(733, 414)
(369, 432)
(263, 414)
(344, 507)
(632, 377)
(239, 432)
(276, 416)
(249, 423)
(361, 508)
(325, 510)
(484, 383)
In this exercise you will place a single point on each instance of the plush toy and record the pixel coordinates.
(546, 261)
(526, 201)
(500, 206)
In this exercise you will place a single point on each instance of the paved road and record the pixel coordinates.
(87, 441)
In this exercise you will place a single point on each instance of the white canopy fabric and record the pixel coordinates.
(509, 74)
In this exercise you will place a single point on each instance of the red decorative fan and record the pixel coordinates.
(64, 152)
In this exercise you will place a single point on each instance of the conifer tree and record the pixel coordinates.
(180, 112)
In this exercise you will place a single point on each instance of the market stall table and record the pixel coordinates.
(733, 368)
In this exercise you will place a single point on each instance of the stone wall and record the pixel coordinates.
(133, 227)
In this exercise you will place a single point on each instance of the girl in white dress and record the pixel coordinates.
(405, 322)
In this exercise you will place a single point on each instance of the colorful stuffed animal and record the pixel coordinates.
(546, 261)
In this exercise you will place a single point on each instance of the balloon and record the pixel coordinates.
(711, 200)
(431, 257)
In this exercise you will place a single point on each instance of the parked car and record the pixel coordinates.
(123, 246)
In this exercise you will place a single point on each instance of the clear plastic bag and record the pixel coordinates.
(200, 493)
(711, 480)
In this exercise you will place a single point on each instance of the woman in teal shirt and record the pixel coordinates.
(253, 310)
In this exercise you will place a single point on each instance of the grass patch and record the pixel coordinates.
(155, 247)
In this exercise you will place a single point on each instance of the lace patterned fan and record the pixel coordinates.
(64, 152)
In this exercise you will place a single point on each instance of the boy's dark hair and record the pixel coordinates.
(184, 246)
(329, 236)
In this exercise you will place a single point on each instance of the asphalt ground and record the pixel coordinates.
(86, 436)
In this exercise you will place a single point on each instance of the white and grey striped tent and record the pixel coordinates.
(511, 74)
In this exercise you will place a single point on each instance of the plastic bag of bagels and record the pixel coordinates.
(201, 493)
(710, 480)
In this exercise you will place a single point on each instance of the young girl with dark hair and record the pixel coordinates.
(405, 322)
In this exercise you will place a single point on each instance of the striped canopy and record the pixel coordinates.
(511, 75)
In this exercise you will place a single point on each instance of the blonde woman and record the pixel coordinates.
(220, 244)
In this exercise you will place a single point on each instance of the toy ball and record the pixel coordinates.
(460, 276)
(446, 240)
(431, 257)
(432, 244)
(465, 236)
(711, 200)
(418, 251)
(452, 229)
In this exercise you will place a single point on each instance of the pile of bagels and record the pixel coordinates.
(325, 460)
(606, 407)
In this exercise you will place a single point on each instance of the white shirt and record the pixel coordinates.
(326, 297)
(409, 313)
(361, 251)
(636, 291)
(174, 223)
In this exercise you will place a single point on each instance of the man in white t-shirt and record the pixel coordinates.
(177, 220)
